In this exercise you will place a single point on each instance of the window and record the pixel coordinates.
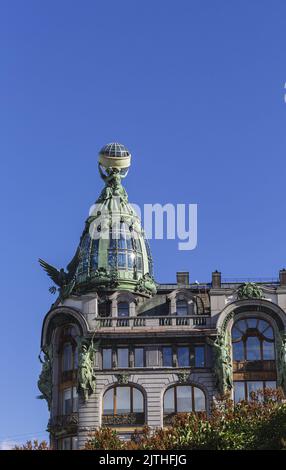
(123, 309)
(123, 405)
(199, 356)
(182, 399)
(252, 340)
(125, 252)
(183, 356)
(139, 357)
(69, 443)
(67, 357)
(122, 357)
(243, 389)
(107, 358)
(167, 356)
(182, 308)
(68, 351)
(70, 400)
(253, 350)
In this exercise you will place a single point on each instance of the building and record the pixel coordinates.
(120, 350)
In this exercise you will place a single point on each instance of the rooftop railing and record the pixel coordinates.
(169, 321)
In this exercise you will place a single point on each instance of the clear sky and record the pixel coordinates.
(195, 90)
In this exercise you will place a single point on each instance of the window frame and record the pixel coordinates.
(174, 387)
(246, 391)
(114, 414)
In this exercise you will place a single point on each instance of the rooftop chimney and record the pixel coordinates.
(282, 277)
(182, 278)
(216, 279)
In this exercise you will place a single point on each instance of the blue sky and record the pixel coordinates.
(195, 90)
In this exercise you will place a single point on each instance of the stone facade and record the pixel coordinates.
(152, 323)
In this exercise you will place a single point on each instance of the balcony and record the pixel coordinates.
(154, 322)
(63, 423)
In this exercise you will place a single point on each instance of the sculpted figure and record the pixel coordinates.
(222, 363)
(281, 361)
(86, 375)
(45, 379)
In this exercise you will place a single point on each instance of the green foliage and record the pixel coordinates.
(105, 439)
(259, 424)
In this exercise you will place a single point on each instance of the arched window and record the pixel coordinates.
(253, 351)
(253, 340)
(123, 406)
(182, 399)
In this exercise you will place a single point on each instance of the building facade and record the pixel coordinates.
(120, 350)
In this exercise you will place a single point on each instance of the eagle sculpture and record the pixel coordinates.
(60, 277)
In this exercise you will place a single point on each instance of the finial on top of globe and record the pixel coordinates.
(114, 158)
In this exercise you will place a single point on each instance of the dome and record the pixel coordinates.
(114, 149)
(113, 252)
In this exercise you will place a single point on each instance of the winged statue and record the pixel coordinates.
(60, 277)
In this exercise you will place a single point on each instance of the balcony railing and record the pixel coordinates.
(67, 422)
(170, 321)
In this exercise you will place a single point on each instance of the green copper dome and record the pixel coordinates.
(113, 252)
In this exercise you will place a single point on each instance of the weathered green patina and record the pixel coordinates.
(222, 362)
(281, 361)
(86, 381)
(249, 290)
(113, 252)
(45, 379)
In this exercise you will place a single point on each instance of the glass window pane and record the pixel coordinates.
(241, 325)
(199, 356)
(169, 401)
(66, 443)
(67, 401)
(268, 350)
(139, 357)
(253, 387)
(131, 259)
(270, 384)
(123, 309)
(262, 325)
(167, 356)
(252, 322)
(183, 356)
(123, 400)
(237, 351)
(122, 357)
(75, 443)
(239, 391)
(75, 358)
(106, 358)
(138, 401)
(67, 357)
(75, 400)
(184, 398)
(236, 333)
(182, 308)
(200, 401)
(108, 402)
(268, 333)
(253, 352)
(139, 262)
(121, 260)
